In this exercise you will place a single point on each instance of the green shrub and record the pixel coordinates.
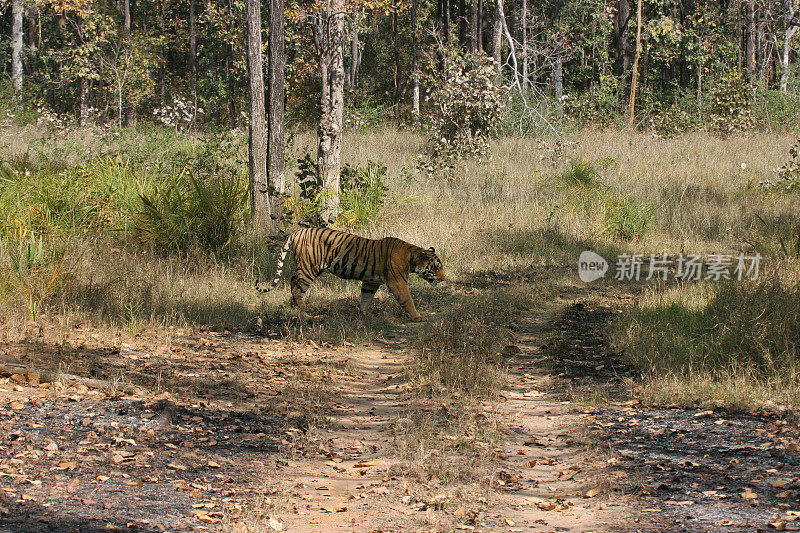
(626, 217)
(185, 211)
(34, 268)
(363, 191)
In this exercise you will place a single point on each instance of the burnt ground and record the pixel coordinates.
(83, 464)
(213, 414)
(701, 469)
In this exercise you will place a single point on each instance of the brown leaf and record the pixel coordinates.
(748, 494)
(213, 464)
(591, 493)
(366, 464)
(334, 509)
(176, 466)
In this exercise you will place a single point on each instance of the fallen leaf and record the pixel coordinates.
(748, 494)
(275, 523)
(366, 464)
(591, 493)
(335, 509)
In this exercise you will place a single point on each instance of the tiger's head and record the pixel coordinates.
(426, 264)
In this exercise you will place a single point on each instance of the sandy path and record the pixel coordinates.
(542, 478)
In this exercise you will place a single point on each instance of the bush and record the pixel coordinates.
(363, 191)
(728, 105)
(467, 109)
(33, 267)
(626, 217)
(617, 215)
(186, 210)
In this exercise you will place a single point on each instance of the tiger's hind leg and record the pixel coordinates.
(368, 291)
(300, 285)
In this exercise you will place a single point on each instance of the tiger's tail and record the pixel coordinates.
(280, 268)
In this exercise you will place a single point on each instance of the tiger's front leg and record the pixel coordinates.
(400, 291)
(368, 291)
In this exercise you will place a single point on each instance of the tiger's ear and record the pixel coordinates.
(431, 250)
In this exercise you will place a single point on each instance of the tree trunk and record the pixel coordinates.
(621, 46)
(192, 43)
(276, 174)
(497, 38)
(355, 51)
(414, 66)
(329, 40)
(462, 24)
(788, 33)
(751, 39)
(558, 84)
(446, 18)
(473, 26)
(635, 70)
(257, 146)
(127, 17)
(32, 44)
(396, 56)
(525, 84)
(481, 21)
(16, 51)
(84, 110)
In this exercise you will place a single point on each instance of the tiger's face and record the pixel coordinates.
(428, 266)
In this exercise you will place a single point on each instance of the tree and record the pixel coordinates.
(276, 175)
(257, 144)
(16, 50)
(792, 23)
(635, 69)
(328, 24)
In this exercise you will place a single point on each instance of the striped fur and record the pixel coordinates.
(386, 261)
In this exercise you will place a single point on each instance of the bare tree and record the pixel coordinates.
(16, 50)
(414, 63)
(276, 175)
(257, 146)
(497, 38)
(635, 69)
(329, 40)
(788, 33)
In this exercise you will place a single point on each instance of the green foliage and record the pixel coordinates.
(306, 204)
(186, 210)
(33, 267)
(363, 191)
(626, 217)
(615, 214)
(467, 105)
(787, 177)
(599, 106)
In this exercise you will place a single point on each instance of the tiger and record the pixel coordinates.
(375, 262)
